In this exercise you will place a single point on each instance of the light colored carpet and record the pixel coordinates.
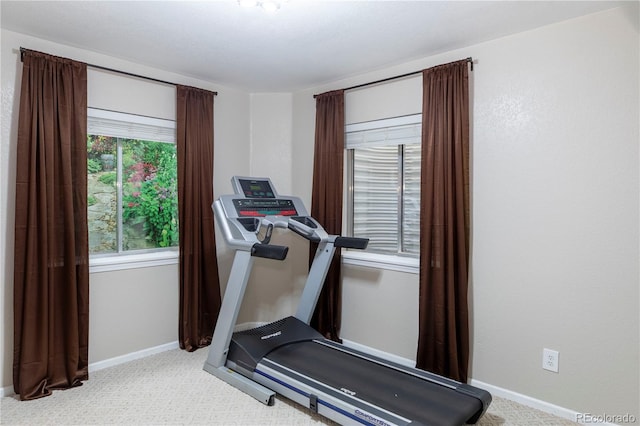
(171, 388)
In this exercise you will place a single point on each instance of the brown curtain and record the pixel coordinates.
(443, 343)
(326, 203)
(51, 269)
(199, 283)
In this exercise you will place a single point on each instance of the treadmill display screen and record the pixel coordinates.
(256, 188)
(259, 208)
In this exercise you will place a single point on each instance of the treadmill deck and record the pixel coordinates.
(390, 389)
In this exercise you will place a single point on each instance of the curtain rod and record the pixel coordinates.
(100, 67)
(384, 80)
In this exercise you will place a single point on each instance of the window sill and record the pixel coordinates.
(132, 261)
(409, 265)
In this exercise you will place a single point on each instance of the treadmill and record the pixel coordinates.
(290, 358)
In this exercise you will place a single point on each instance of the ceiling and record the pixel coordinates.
(304, 44)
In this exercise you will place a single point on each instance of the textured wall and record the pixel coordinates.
(555, 196)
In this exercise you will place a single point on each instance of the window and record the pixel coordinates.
(132, 184)
(383, 174)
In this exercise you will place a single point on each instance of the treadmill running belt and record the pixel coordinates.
(401, 393)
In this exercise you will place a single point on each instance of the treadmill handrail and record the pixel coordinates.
(314, 234)
(231, 240)
(270, 251)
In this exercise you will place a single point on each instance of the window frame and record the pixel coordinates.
(401, 262)
(97, 121)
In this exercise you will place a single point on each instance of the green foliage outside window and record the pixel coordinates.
(150, 191)
(108, 178)
(93, 165)
(148, 188)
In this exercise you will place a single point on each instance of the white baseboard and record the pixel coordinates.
(547, 407)
(380, 354)
(543, 406)
(132, 356)
(525, 400)
(248, 326)
(6, 391)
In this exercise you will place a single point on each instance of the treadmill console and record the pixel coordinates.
(257, 197)
(256, 208)
(253, 187)
(260, 207)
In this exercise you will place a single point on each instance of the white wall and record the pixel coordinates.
(555, 218)
(271, 291)
(130, 310)
(555, 194)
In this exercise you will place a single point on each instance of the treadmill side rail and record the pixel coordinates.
(330, 403)
(246, 385)
(480, 394)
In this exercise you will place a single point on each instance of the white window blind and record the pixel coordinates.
(129, 126)
(389, 132)
(385, 176)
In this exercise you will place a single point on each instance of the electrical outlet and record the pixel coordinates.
(550, 359)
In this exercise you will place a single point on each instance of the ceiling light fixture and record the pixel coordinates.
(269, 6)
